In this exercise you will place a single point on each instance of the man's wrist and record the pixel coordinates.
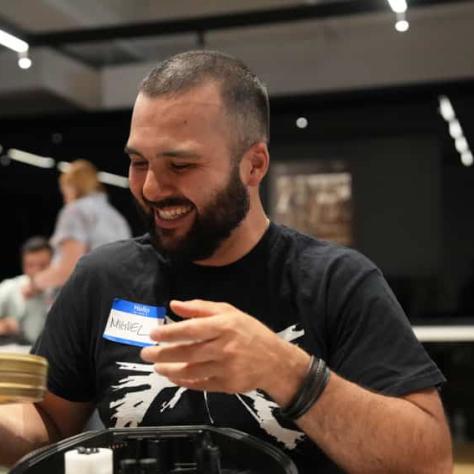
(309, 391)
(289, 374)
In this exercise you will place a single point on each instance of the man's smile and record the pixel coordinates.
(171, 216)
(170, 213)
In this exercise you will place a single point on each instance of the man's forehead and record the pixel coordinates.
(206, 95)
(36, 254)
(42, 251)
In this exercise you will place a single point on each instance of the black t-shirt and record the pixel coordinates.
(329, 300)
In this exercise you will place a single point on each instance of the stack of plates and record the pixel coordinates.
(22, 378)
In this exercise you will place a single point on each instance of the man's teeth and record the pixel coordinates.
(171, 213)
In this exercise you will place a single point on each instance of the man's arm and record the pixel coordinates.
(25, 427)
(365, 432)
(362, 431)
(8, 326)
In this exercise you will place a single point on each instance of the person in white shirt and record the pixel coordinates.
(86, 221)
(19, 316)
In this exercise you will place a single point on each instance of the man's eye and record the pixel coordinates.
(180, 166)
(139, 164)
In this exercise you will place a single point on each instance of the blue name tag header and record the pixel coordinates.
(139, 309)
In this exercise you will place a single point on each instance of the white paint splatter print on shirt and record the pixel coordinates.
(130, 410)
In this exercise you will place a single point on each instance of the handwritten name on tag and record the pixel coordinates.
(131, 323)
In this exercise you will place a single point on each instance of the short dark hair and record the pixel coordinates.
(244, 95)
(35, 244)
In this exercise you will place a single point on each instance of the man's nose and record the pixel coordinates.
(156, 185)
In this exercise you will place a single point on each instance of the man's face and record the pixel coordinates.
(34, 262)
(182, 173)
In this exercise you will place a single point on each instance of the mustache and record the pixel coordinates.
(167, 202)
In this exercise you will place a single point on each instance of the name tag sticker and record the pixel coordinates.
(131, 323)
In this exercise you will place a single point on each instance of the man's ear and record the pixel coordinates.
(254, 164)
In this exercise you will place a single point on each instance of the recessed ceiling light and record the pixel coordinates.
(402, 25)
(24, 62)
(301, 122)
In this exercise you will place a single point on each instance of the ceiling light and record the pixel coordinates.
(30, 158)
(398, 6)
(455, 129)
(63, 166)
(104, 177)
(402, 25)
(461, 145)
(446, 108)
(24, 62)
(301, 122)
(467, 159)
(113, 179)
(12, 42)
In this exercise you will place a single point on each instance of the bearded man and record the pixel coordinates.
(218, 316)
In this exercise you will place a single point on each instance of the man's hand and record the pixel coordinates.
(29, 290)
(9, 326)
(219, 348)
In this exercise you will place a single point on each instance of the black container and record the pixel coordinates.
(176, 449)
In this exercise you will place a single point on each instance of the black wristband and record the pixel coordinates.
(310, 390)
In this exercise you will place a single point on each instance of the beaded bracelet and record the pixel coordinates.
(310, 390)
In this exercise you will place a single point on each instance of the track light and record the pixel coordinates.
(47, 162)
(446, 110)
(30, 158)
(113, 179)
(467, 159)
(402, 25)
(13, 43)
(19, 46)
(103, 176)
(398, 6)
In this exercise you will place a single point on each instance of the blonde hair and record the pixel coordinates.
(82, 176)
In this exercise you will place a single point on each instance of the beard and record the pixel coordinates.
(212, 225)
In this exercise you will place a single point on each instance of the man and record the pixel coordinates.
(252, 303)
(20, 317)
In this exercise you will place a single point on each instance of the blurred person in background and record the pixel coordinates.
(23, 319)
(86, 221)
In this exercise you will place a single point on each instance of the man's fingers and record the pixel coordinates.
(184, 371)
(187, 352)
(192, 330)
(197, 308)
(210, 384)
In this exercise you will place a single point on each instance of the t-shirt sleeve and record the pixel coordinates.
(67, 340)
(71, 224)
(4, 295)
(372, 341)
(11, 302)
